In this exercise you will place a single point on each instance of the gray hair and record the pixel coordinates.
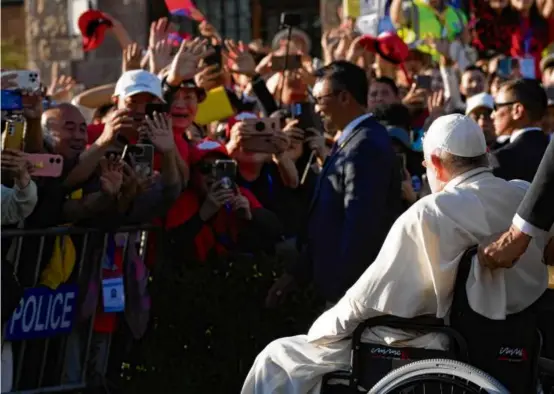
(459, 164)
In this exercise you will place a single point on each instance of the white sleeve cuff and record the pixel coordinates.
(527, 228)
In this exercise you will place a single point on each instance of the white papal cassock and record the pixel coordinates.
(413, 275)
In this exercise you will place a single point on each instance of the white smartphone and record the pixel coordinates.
(25, 80)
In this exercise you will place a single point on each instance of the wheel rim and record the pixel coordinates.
(436, 384)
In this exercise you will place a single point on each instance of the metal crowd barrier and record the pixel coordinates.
(51, 334)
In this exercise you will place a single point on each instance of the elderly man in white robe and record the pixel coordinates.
(415, 271)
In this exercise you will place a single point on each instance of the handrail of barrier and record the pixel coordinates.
(69, 230)
(78, 337)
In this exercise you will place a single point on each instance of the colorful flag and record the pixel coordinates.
(184, 8)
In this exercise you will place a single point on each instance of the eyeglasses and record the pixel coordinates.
(497, 106)
(317, 100)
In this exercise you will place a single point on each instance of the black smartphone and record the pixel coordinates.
(160, 108)
(423, 82)
(225, 171)
(505, 67)
(214, 58)
(290, 20)
(290, 62)
(304, 113)
(141, 158)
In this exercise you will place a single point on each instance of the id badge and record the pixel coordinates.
(527, 67)
(113, 294)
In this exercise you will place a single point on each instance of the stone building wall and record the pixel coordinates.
(49, 41)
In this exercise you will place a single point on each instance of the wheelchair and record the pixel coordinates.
(484, 356)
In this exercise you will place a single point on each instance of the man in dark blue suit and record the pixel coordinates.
(357, 197)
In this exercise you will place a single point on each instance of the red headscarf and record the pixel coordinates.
(224, 223)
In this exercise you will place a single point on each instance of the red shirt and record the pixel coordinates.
(529, 39)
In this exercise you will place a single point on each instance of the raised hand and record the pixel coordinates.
(118, 121)
(240, 59)
(209, 78)
(16, 165)
(111, 176)
(61, 88)
(159, 56)
(132, 57)
(158, 32)
(185, 63)
(241, 206)
(159, 131)
(9, 81)
(217, 197)
(32, 105)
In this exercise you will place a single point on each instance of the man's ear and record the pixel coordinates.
(518, 111)
(114, 100)
(438, 166)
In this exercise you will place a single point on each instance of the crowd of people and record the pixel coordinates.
(347, 172)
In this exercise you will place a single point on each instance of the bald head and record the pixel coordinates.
(65, 130)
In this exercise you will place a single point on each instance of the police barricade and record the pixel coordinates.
(70, 276)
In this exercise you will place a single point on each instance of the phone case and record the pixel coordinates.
(45, 165)
(143, 158)
(26, 80)
(263, 141)
(12, 137)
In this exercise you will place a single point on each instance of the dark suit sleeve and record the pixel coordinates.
(502, 167)
(368, 171)
(537, 208)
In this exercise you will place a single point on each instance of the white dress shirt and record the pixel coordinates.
(351, 126)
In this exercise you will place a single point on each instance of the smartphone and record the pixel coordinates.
(401, 162)
(45, 165)
(161, 108)
(290, 20)
(225, 171)
(12, 137)
(305, 114)
(268, 125)
(11, 100)
(25, 80)
(142, 158)
(506, 66)
(423, 82)
(215, 58)
(293, 62)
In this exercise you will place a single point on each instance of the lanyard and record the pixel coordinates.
(527, 36)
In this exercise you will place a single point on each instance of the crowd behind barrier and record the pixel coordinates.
(159, 232)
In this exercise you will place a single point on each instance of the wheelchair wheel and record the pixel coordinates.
(437, 376)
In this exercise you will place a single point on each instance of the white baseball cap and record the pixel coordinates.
(138, 81)
(456, 134)
(484, 100)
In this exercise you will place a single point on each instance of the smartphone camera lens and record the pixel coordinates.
(259, 126)
(58, 160)
(51, 160)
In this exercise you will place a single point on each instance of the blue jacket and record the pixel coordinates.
(357, 198)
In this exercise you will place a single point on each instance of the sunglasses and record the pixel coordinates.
(497, 106)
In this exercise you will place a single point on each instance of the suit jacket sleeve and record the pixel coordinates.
(537, 206)
(368, 170)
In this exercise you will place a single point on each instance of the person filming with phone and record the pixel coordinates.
(218, 215)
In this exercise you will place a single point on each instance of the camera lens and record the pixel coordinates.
(51, 160)
(260, 126)
(58, 160)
